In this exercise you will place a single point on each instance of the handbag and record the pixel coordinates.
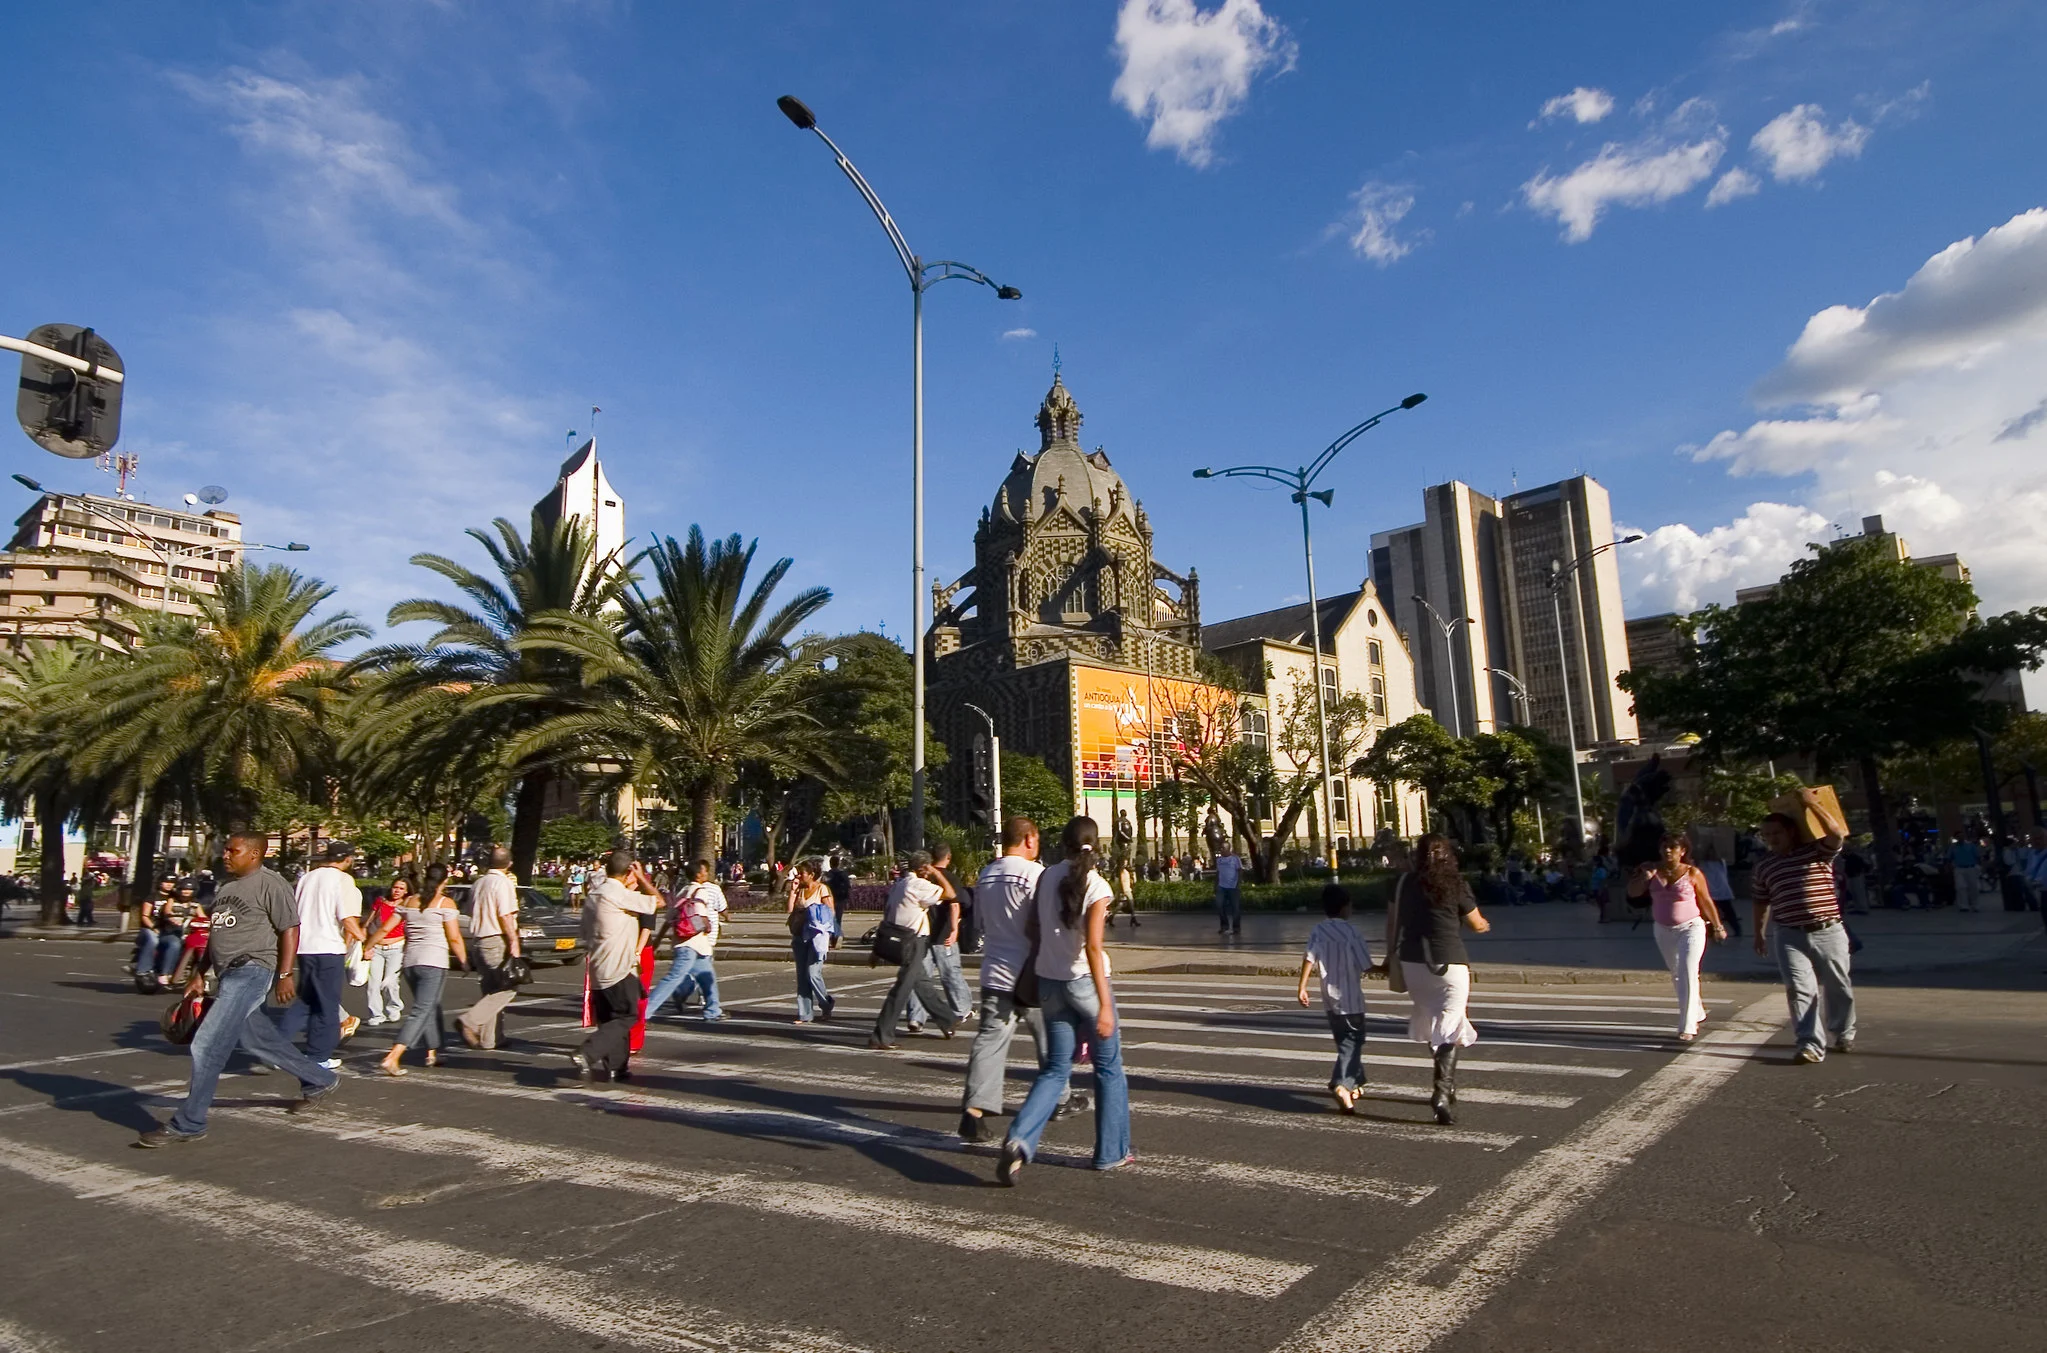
(889, 942)
(181, 1021)
(516, 971)
(1396, 979)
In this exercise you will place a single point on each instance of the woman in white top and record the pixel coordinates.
(433, 932)
(1072, 969)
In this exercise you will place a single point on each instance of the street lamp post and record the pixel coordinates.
(994, 775)
(1558, 572)
(1520, 690)
(1301, 481)
(1449, 629)
(166, 552)
(923, 276)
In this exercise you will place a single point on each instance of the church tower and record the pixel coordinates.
(1063, 577)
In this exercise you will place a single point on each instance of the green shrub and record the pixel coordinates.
(1368, 890)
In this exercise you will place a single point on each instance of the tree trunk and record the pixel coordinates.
(50, 839)
(526, 810)
(144, 845)
(1879, 823)
(703, 821)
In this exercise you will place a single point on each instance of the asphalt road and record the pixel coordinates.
(766, 1186)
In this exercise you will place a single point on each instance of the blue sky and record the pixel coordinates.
(1761, 268)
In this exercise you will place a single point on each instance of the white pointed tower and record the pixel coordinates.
(583, 492)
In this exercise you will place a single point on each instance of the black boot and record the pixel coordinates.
(1443, 1098)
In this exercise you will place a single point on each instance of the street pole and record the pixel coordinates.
(994, 776)
(1520, 691)
(1556, 607)
(1302, 481)
(1450, 652)
(922, 277)
(1321, 710)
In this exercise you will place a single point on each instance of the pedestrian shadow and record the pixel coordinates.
(119, 1105)
(111, 986)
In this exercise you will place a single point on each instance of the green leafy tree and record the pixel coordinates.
(865, 704)
(1420, 751)
(695, 680)
(502, 687)
(1514, 766)
(1030, 789)
(575, 838)
(1857, 656)
(39, 720)
(242, 696)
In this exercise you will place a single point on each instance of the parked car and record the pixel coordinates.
(548, 931)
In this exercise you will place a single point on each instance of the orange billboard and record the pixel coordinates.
(1128, 726)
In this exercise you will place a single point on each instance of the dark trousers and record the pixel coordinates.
(915, 975)
(317, 1011)
(617, 1009)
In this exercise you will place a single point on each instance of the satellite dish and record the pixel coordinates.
(212, 493)
(191, 500)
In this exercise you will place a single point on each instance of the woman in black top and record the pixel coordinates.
(1422, 935)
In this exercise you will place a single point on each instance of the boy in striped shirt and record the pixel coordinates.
(1337, 950)
(1799, 905)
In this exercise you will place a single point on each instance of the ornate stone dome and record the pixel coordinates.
(1060, 469)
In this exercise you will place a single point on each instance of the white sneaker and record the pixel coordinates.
(332, 1064)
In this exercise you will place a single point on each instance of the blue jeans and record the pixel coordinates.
(1229, 907)
(1813, 961)
(689, 970)
(156, 951)
(423, 1015)
(947, 957)
(811, 996)
(317, 1011)
(1070, 1014)
(237, 1019)
(1349, 1071)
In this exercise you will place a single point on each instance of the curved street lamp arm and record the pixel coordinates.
(1290, 478)
(895, 236)
(1329, 453)
(1563, 571)
(950, 270)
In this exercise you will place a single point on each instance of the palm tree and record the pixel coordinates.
(479, 654)
(238, 697)
(695, 681)
(38, 771)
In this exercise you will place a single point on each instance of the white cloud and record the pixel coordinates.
(1376, 209)
(1798, 144)
(1019, 333)
(1639, 175)
(1185, 70)
(1921, 407)
(1676, 568)
(1735, 183)
(377, 306)
(1968, 303)
(1580, 105)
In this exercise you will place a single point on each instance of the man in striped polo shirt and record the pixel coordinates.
(1798, 918)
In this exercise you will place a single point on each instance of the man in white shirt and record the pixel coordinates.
(909, 901)
(494, 922)
(697, 918)
(330, 919)
(1003, 896)
(617, 916)
(1229, 870)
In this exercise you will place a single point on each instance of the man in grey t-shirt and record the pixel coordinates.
(252, 944)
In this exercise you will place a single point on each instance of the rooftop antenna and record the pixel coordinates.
(124, 467)
(1055, 361)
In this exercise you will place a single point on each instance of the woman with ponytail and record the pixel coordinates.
(1422, 936)
(1072, 968)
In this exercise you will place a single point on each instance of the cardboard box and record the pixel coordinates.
(1810, 827)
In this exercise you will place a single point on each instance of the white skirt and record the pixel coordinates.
(1439, 1003)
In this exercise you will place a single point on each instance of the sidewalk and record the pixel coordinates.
(1553, 942)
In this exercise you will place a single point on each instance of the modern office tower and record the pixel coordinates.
(1451, 560)
(1555, 532)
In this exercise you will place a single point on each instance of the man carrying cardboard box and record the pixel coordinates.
(1798, 918)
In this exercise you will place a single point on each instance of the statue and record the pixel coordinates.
(1212, 833)
(1638, 822)
(1124, 836)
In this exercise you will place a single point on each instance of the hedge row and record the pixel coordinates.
(1368, 891)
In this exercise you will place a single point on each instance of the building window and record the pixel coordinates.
(1339, 801)
(1374, 654)
(1255, 729)
(1379, 696)
(1329, 691)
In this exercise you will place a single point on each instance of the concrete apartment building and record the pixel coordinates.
(77, 563)
(1484, 565)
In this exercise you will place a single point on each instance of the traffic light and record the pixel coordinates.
(73, 413)
(981, 784)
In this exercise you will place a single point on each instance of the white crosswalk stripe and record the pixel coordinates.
(1193, 1267)
(419, 1270)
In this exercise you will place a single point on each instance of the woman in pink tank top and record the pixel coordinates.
(1681, 905)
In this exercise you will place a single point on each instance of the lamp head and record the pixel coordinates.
(797, 111)
(1198, 474)
(1412, 400)
(29, 484)
(295, 546)
(1629, 540)
(1008, 294)
(1328, 497)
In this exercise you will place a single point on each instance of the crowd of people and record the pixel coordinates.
(275, 958)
